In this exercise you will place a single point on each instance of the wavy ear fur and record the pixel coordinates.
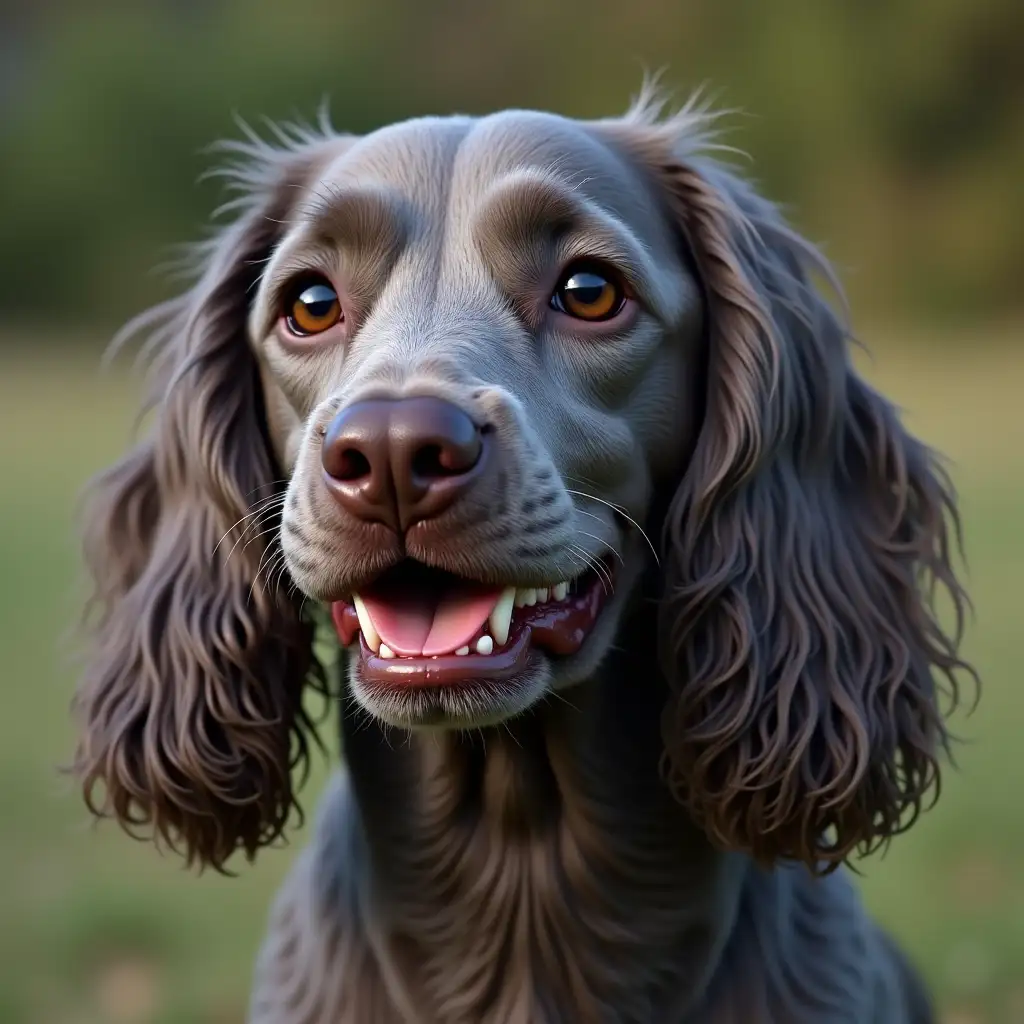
(190, 706)
(805, 544)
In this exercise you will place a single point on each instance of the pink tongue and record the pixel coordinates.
(413, 621)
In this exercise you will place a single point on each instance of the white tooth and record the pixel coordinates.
(559, 591)
(370, 635)
(542, 595)
(501, 615)
(462, 650)
(385, 651)
(520, 598)
(531, 596)
(484, 645)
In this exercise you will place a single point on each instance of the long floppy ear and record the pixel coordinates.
(804, 548)
(190, 706)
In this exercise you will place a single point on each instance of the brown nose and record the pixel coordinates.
(398, 461)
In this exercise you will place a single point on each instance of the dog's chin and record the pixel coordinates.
(472, 690)
(471, 704)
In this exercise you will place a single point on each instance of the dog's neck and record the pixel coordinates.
(541, 870)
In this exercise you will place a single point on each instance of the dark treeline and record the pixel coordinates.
(892, 129)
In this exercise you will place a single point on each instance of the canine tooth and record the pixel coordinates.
(370, 634)
(462, 650)
(501, 615)
(385, 651)
(484, 645)
(559, 590)
(542, 595)
(531, 597)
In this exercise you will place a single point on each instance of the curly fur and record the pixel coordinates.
(205, 764)
(800, 653)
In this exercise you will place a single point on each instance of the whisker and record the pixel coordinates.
(507, 729)
(277, 575)
(593, 515)
(269, 499)
(265, 535)
(625, 515)
(268, 483)
(257, 512)
(270, 567)
(595, 565)
(280, 572)
(606, 577)
(578, 565)
(363, 718)
(259, 568)
(260, 520)
(585, 481)
(561, 696)
(260, 504)
(605, 573)
(588, 558)
(265, 518)
(583, 533)
(268, 576)
(254, 508)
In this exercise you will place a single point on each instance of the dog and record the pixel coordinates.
(628, 575)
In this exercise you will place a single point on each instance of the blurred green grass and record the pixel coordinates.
(96, 928)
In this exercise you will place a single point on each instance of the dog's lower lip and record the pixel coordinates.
(450, 669)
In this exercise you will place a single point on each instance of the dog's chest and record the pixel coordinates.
(571, 910)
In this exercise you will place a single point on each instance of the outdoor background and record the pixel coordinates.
(894, 132)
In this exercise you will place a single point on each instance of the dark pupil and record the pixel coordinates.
(586, 289)
(319, 300)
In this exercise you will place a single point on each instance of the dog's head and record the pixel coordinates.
(436, 380)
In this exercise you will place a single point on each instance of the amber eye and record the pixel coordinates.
(312, 307)
(589, 293)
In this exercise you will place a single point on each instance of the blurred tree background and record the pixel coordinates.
(895, 129)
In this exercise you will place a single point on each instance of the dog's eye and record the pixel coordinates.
(589, 293)
(312, 307)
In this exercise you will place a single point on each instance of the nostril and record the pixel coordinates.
(349, 465)
(447, 458)
(355, 445)
(433, 461)
(429, 461)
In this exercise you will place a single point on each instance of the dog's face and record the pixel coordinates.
(477, 343)
(437, 379)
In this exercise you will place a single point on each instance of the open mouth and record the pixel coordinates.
(419, 626)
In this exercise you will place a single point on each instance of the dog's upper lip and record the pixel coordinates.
(495, 578)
